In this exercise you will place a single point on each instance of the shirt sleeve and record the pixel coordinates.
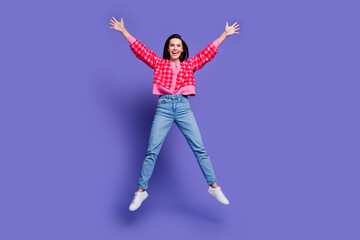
(204, 56)
(217, 43)
(143, 53)
(131, 39)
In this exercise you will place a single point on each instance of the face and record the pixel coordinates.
(175, 48)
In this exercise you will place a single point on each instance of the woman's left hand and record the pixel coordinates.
(230, 30)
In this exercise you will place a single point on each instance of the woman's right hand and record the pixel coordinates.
(117, 25)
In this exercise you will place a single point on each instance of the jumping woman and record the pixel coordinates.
(174, 82)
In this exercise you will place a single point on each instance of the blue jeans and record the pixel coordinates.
(170, 109)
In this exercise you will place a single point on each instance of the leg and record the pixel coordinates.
(186, 122)
(161, 125)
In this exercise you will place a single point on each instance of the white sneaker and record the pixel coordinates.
(138, 199)
(218, 194)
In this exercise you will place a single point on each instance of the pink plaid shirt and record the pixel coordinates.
(171, 79)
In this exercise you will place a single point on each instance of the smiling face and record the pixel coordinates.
(175, 49)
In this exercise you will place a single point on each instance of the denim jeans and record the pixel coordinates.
(170, 109)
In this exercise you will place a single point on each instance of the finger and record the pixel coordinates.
(234, 23)
(122, 19)
(114, 19)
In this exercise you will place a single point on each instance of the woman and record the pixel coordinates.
(174, 82)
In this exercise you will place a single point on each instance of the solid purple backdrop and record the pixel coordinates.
(278, 108)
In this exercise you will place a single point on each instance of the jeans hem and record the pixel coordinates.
(211, 182)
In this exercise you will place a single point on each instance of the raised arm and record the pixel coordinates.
(147, 56)
(205, 55)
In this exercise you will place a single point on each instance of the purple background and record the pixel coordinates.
(278, 108)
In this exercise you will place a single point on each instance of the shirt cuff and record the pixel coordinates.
(217, 43)
(131, 39)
